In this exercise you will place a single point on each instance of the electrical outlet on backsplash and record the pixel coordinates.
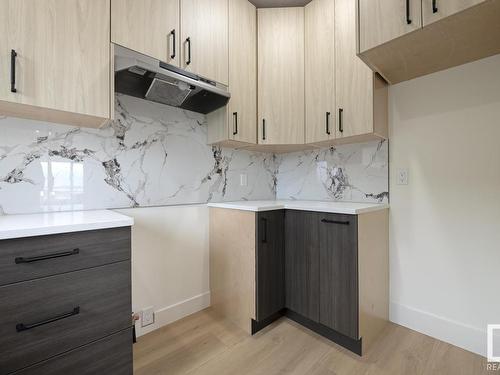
(154, 155)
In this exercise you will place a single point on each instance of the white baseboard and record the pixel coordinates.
(172, 313)
(456, 333)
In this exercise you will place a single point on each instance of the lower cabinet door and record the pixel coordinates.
(302, 263)
(111, 355)
(270, 263)
(338, 270)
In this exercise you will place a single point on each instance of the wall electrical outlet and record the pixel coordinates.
(402, 176)
(243, 179)
(147, 317)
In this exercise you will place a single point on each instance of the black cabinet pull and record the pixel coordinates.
(188, 41)
(235, 123)
(328, 123)
(341, 120)
(408, 19)
(48, 256)
(264, 129)
(434, 6)
(24, 327)
(264, 229)
(13, 55)
(174, 53)
(335, 222)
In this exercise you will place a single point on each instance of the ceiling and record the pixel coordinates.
(279, 3)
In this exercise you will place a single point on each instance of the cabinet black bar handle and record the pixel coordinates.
(24, 327)
(408, 19)
(48, 256)
(264, 129)
(341, 120)
(434, 6)
(328, 123)
(335, 222)
(188, 41)
(13, 55)
(174, 53)
(264, 229)
(235, 123)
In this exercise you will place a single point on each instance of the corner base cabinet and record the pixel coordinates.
(65, 302)
(329, 272)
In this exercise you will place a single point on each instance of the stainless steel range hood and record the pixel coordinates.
(147, 78)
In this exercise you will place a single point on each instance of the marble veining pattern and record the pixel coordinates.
(351, 173)
(154, 155)
(150, 155)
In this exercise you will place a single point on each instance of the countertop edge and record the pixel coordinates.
(302, 207)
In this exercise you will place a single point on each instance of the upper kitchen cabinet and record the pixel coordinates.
(451, 33)
(236, 124)
(361, 96)
(204, 38)
(434, 10)
(55, 62)
(150, 27)
(281, 76)
(320, 71)
(383, 20)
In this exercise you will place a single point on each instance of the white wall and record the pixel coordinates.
(445, 225)
(169, 261)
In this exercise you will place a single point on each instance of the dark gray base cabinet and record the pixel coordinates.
(321, 269)
(65, 303)
(270, 264)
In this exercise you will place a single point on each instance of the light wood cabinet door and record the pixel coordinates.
(150, 27)
(204, 38)
(281, 75)
(354, 80)
(320, 70)
(383, 20)
(434, 10)
(242, 107)
(63, 57)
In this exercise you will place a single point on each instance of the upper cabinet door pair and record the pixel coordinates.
(191, 34)
(381, 21)
(343, 99)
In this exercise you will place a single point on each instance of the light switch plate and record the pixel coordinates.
(402, 176)
(243, 179)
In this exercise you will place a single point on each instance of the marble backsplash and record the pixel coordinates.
(153, 155)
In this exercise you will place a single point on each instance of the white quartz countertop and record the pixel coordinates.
(18, 226)
(318, 206)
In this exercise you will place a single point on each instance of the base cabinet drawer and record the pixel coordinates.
(49, 316)
(112, 355)
(30, 258)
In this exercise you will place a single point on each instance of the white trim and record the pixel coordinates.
(179, 310)
(456, 333)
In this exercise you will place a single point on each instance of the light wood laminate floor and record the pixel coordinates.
(206, 344)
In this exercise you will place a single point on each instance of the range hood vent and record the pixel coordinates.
(147, 78)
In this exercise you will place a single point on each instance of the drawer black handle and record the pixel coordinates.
(24, 327)
(188, 41)
(408, 19)
(335, 222)
(341, 120)
(13, 55)
(328, 123)
(48, 256)
(434, 6)
(235, 123)
(264, 129)
(172, 56)
(264, 229)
